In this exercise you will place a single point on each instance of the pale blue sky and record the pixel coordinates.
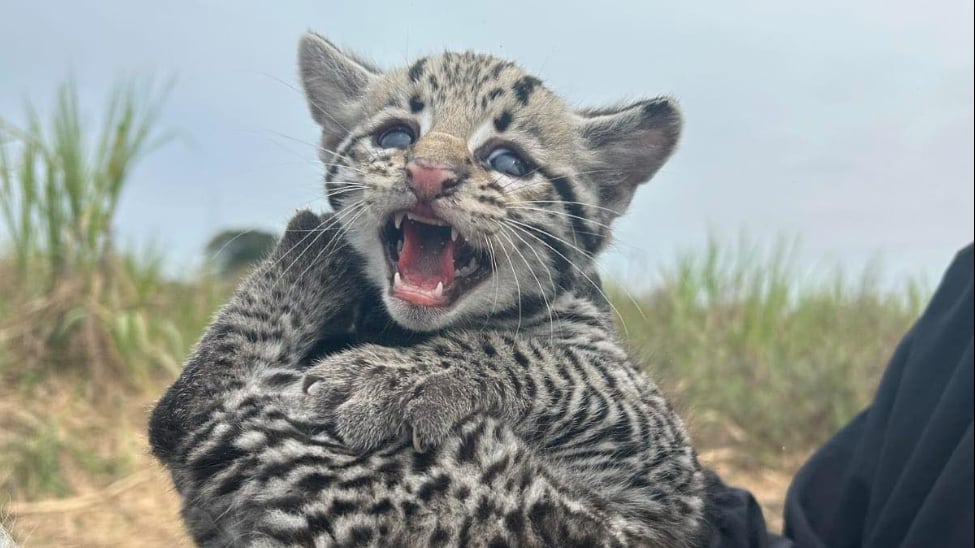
(848, 124)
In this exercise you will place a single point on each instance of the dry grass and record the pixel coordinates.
(132, 506)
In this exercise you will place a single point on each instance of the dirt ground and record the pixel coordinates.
(142, 509)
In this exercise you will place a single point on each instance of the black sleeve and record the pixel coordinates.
(901, 472)
(736, 519)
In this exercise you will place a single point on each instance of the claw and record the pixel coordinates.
(311, 386)
(418, 443)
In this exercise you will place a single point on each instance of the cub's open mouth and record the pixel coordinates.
(432, 264)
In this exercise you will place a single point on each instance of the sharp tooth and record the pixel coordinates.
(410, 216)
(397, 281)
(453, 234)
(438, 291)
(398, 219)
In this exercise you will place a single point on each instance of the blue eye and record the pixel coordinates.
(504, 160)
(396, 137)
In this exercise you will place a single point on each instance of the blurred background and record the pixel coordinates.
(150, 152)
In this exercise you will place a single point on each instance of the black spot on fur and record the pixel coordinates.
(495, 93)
(360, 535)
(315, 482)
(432, 488)
(464, 537)
(498, 542)
(357, 483)
(514, 521)
(381, 507)
(502, 122)
(489, 349)
(288, 503)
(524, 88)
(539, 512)
(416, 71)
(423, 461)
(492, 471)
(230, 485)
(410, 509)
(319, 522)
(215, 460)
(416, 104)
(484, 509)
(439, 536)
(496, 70)
(434, 83)
(342, 507)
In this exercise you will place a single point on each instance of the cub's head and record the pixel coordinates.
(471, 189)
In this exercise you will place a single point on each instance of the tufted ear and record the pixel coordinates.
(629, 144)
(334, 83)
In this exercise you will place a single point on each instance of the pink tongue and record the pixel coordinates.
(427, 258)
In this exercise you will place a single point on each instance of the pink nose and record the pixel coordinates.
(428, 179)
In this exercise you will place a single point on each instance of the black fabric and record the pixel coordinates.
(900, 473)
(734, 516)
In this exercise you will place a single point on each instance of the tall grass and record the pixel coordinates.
(71, 298)
(59, 199)
(85, 328)
(760, 360)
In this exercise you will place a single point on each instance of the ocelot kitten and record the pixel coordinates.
(433, 364)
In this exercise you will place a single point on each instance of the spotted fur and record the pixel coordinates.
(321, 411)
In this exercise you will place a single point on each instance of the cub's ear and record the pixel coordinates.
(334, 83)
(628, 144)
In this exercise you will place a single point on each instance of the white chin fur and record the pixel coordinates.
(416, 318)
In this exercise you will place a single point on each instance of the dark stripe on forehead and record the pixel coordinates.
(496, 71)
(524, 88)
(416, 71)
(563, 187)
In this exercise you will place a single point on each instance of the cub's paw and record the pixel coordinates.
(372, 402)
(436, 404)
